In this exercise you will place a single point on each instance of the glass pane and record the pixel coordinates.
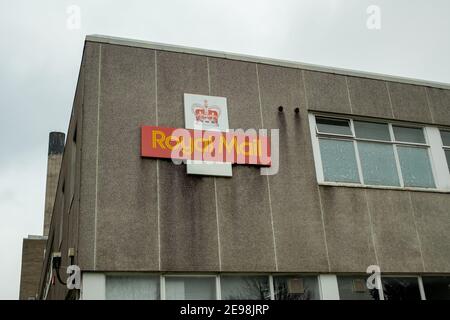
(371, 130)
(409, 134)
(447, 155)
(401, 288)
(445, 135)
(132, 288)
(378, 164)
(416, 167)
(338, 160)
(336, 126)
(245, 288)
(436, 288)
(296, 288)
(190, 288)
(355, 288)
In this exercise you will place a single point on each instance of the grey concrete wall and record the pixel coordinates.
(141, 214)
(32, 259)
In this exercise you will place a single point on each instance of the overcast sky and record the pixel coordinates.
(41, 53)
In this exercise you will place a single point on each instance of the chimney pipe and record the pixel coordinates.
(55, 153)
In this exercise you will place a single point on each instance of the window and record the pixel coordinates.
(393, 288)
(401, 288)
(339, 161)
(372, 153)
(129, 286)
(445, 135)
(437, 288)
(245, 288)
(132, 287)
(355, 288)
(296, 288)
(190, 288)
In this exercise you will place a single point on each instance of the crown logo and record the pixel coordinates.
(206, 115)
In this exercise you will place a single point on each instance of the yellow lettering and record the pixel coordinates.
(159, 140)
(196, 147)
(242, 148)
(170, 139)
(228, 146)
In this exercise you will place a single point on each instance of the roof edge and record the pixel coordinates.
(35, 237)
(262, 60)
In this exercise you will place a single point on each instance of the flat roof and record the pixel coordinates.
(36, 237)
(262, 60)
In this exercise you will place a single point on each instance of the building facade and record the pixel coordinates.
(363, 181)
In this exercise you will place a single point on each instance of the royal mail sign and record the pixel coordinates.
(231, 147)
(206, 145)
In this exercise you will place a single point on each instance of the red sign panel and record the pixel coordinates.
(233, 147)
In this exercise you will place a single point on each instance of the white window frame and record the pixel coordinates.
(444, 148)
(93, 286)
(328, 287)
(433, 144)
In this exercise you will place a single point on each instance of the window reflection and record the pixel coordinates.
(296, 288)
(338, 160)
(245, 288)
(436, 288)
(404, 288)
(132, 288)
(190, 288)
(355, 288)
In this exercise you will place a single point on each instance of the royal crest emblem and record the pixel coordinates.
(206, 115)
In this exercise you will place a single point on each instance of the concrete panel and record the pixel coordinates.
(127, 228)
(369, 97)
(409, 102)
(75, 164)
(32, 261)
(297, 217)
(189, 239)
(433, 223)
(71, 238)
(246, 237)
(396, 240)
(439, 100)
(326, 92)
(347, 225)
(88, 129)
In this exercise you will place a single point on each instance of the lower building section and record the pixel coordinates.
(185, 286)
(33, 249)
